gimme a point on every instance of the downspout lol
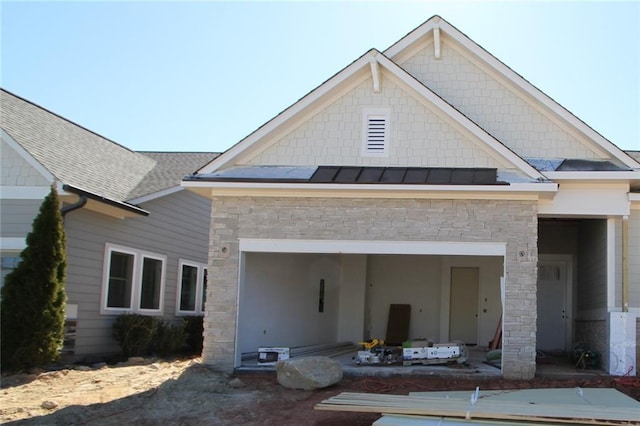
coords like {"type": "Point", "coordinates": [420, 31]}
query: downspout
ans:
{"type": "Point", "coordinates": [77, 205]}
{"type": "Point", "coordinates": [625, 264]}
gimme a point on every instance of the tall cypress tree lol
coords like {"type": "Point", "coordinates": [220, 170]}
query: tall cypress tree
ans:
{"type": "Point", "coordinates": [33, 295]}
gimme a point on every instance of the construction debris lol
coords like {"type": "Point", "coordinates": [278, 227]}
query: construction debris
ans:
{"type": "Point", "coordinates": [376, 352]}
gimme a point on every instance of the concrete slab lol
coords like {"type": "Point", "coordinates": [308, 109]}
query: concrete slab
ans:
{"type": "Point", "coordinates": [555, 367]}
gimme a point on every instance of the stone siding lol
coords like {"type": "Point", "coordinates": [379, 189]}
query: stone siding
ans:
{"type": "Point", "coordinates": [511, 222]}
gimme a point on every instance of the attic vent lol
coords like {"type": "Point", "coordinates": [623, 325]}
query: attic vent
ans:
{"type": "Point", "coordinates": [376, 132]}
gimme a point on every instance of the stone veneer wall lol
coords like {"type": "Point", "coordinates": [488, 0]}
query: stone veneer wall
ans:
{"type": "Point", "coordinates": [512, 222]}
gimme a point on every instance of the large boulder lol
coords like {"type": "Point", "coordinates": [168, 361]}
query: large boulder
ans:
{"type": "Point", "coordinates": [312, 372]}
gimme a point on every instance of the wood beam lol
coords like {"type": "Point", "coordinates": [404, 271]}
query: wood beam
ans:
{"type": "Point", "coordinates": [375, 74]}
{"type": "Point", "coordinates": [436, 42]}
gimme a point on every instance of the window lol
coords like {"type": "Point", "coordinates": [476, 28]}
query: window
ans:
{"type": "Point", "coordinates": [375, 132]}
{"type": "Point", "coordinates": [120, 280]}
{"type": "Point", "coordinates": [134, 281]}
{"type": "Point", "coordinates": [192, 288]}
{"type": "Point", "coordinates": [151, 284]}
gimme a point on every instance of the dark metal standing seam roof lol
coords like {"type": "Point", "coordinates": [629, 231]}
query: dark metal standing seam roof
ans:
{"type": "Point", "coordinates": [406, 175]}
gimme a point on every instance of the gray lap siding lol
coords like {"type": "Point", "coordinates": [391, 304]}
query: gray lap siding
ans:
{"type": "Point", "coordinates": [176, 228]}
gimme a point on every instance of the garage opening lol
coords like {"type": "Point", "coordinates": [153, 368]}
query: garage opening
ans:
{"type": "Point", "coordinates": [318, 300]}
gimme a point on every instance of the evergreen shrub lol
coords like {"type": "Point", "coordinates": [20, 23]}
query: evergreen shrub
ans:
{"type": "Point", "coordinates": [32, 310]}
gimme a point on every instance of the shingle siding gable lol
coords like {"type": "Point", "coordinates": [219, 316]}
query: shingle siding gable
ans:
{"type": "Point", "coordinates": [16, 171]}
{"type": "Point", "coordinates": [417, 136]}
{"type": "Point", "coordinates": [496, 108]}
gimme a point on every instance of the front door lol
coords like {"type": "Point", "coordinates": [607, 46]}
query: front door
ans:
{"type": "Point", "coordinates": [552, 306]}
{"type": "Point", "coordinates": [463, 321]}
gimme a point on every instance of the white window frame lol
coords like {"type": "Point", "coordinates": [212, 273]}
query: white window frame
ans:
{"type": "Point", "coordinates": [376, 113]}
{"type": "Point", "coordinates": [136, 285]}
{"type": "Point", "coordinates": [202, 268]}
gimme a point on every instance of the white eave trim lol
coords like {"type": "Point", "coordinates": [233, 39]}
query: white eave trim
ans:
{"type": "Point", "coordinates": [155, 195]}
{"type": "Point", "coordinates": [634, 197]}
{"type": "Point", "coordinates": [602, 175]}
{"type": "Point", "coordinates": [372, 247]}
{"type": "Point", "coordinates": [521, 191]}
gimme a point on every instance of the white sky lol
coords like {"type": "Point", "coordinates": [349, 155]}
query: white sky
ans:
{"type": "Point", "coordinates": [200, 76]}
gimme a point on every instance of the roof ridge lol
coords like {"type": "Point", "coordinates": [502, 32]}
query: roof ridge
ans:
{"type": "Point", "coordinates": [65, 119]}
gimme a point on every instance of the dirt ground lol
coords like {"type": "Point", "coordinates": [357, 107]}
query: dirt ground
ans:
{"type": "Point", "coordinates": [185, 392]}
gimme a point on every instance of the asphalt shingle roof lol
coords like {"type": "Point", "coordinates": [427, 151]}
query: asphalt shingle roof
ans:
{"type": "Point", "coordinates": [169, 170]}
{"type": "Point", "coordinates": [81, 158]}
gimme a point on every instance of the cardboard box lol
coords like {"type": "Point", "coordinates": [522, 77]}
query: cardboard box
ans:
{"type": "Point", "coordinates": [414, 353]}
{"type": "Point", "coordinates": [432, 353]}
{"type": "Point", "coordinates": [448, 351]}
{"type": "Point", "coordinates": [269, 356]}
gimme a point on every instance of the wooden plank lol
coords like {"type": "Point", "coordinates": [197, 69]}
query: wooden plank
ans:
{"type": "Point", "coordinates": [569, 396]}
{"type": "Point", "coordinates": [398, 324]}
{"type": "Point", "coordinates": [486, 409]}
{"type": "Point", "coordinates": [407, 420]}
{"type": "Point", "coordinates": [497, 338]}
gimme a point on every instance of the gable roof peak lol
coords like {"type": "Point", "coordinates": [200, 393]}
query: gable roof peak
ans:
{"type": "Point", "coordinates": [431, 29]}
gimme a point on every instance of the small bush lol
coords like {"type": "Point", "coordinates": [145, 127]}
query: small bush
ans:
{"type": "Point", "coordinates": [134, 333]}
{"type": "Point", "coordinates": [168, 338]}
{"type": "Point", "coordinates": [194, 327]}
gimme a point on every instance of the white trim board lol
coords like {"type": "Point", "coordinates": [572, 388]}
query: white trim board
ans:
{"type": "Point", "coordinates": [155, 195]}
{"type": "Point", "coordinates": [373, 247]}
{"type": "Point", "coordinates": [611, 264]}
{"type": "Point", "coordinates": [514, 191]}
{"type": "Point", "coordinates": [10, 243]}
{"type": "Point", "coordinates": [24, 192]}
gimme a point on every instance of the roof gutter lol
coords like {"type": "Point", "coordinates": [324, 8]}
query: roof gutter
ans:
{"type": "Point", "coordinates": [91, 196]}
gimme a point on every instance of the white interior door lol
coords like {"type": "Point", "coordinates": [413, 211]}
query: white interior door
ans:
{"type": "Point", "coordinates": [552, 305]}
{"type": "Point", "coordinates": [463, 321]}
